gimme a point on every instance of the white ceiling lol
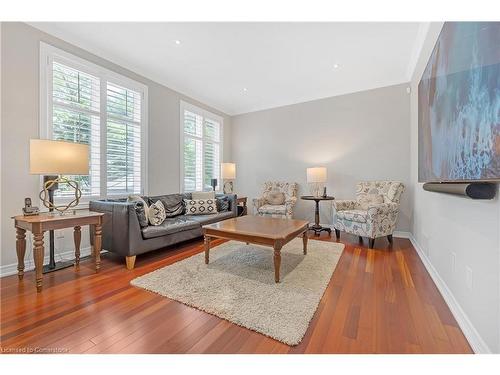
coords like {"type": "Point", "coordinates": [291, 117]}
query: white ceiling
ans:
{"type": "Point", "coordinates": [277, 63]}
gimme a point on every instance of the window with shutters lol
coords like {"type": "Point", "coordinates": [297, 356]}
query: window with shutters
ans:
{"type": "Point", "coordinates": [201, 148]}
{"type": "Point", "coordinates": [85, 103]}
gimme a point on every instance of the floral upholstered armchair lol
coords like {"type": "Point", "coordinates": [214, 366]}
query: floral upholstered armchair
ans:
{"type": "Point", "coordinates": [374, 212]}
{"type": "Point", "coordinates": [277, 200]}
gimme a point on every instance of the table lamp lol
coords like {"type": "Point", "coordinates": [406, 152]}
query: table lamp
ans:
{"type": "Point", "coordinates": [316, 178]}
{"type": "Point", "coordinates": [53, 159]}
{"type": "Point", "coordinates": [228, 174]}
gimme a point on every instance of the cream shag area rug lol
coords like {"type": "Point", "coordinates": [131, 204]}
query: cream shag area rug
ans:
{"type": "Point", "coordinates": [238, 285]}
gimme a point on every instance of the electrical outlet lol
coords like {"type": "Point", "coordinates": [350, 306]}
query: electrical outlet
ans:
{"type": "Point", "coordinates": [60, 235]}
{"type": "Point", "coordinates": [453, 262]}
{"type": "Point", "coordinates": [468, 277]}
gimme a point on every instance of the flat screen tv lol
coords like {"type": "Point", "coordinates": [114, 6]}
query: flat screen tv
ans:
{"type": "Point", "coordinates": [459, 105]}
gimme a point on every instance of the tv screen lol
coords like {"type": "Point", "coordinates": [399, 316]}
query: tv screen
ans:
{"type": "Point", "coordinates": [459, 105]}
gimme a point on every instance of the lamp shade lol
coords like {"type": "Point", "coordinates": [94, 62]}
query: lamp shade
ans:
{"type": "Point", "coordinates": [58, 157]}
{"type": "Point", "coordinates": [228, 171]}
{"type": "Point", "coordinates": [316, 174]}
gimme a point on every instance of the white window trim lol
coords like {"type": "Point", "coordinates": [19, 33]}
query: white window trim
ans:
{"type": "Point", "coordinates": [206, 114]}
{"type": "Point", "coordinates": [48, 54]}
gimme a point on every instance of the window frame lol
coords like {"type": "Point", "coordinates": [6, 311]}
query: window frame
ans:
{"type": "Point", "coordinates": [49, 54]}
{"type": "Point", "coordinates": [205, 115]}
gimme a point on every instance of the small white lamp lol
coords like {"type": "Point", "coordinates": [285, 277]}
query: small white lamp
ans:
{"type": "Point", "coordinates": [228, 174]}
{"type": "Point", "coordinates": [316, 178]}
{"type": "Point", "coordinates": [53, 159]}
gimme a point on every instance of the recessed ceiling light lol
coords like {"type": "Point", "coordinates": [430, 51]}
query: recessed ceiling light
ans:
{"type": "Point", "coordinates": [177, 42]}
{"type": "Point", "coordinates": [245, 89]}
{"type": "Point", "coordinates": [335, 66]}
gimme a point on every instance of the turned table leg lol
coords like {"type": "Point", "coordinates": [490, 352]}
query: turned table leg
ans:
{"type": "Point", "coordinates": [97, 246]}
{"type": "Point", "coordinates": [207, 249]}
{"type": "Point", "coordinates": [38, 251]}
{"type": "Point", "coordinates": [77, 237]}
{"type": "Point", "coordinates": [20, 250]}
{"type": "Point", "coordinates": [316, 215]}
{"type": "Point", "coordinates": [277, 261]}
{"type": "Point", "coordinates": [304, 242]}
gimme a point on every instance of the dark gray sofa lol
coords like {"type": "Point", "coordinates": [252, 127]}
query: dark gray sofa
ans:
{"type": "Point", "coordinates": [122, 234]}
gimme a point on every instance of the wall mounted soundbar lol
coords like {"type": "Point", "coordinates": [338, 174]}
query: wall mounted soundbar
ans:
{"type": "Point", "coordinates": [473, 190]}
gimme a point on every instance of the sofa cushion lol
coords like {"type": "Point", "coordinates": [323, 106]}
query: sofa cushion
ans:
{"type": "Point", "coordinates": [209, 219]}
{"type": "Point", "coordinates": [170, 226]}
{"type": "Point", "coordinates": [200, 206]}
{"type": "Point", "coordinates": [359, 216]}
{"type": "Point", "coordinates": [173, 203]}
{"type": "Point", "coordinates": [273, 209]}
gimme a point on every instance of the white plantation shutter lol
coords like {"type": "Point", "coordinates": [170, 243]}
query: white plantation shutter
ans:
{"type": "Point", "coordinates": [82, 102]}
{"type": "Point", "coordinates": [76, 118]}
{"type": "Point", "coordinates": [123, 141]}
{"type": "Point", "coordinates": [201, 148]}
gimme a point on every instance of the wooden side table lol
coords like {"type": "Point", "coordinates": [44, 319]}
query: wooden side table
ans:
{"type": "Point", "coordinates": [242, 201]}
{"type": "Point", "coordinates": [38, 224]}
{"type": "Point", "coordinates": [316, 227]}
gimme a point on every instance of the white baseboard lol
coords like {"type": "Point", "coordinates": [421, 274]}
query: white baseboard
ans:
{"type": "Point", "coordinates": [29, 264]}
{"type": "Point", "coordinates": [401, 234]}
{"type": "Point", "coordinates": [475, 340]}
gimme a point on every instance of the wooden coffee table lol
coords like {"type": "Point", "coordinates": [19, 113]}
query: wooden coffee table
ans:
{"type": "Point", "coordinates": [258, 230]}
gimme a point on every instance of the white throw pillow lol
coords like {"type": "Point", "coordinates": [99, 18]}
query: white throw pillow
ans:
{"type": "Point", "coordinates": [200, 206]}
{"type": "Point", "coordinates": [203, 195]}
{"type": "Point", "coordinates": [370, 200]}
{"type": "Point", "coordinates": [156, 213]}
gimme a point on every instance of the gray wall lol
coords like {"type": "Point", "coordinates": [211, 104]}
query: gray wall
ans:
{"type": "Point", "coordinates": [20, 122]}
{"type": "Point", "coordinates": [360, 136]}
{"type": "Point", "coordinates": [445, 224]}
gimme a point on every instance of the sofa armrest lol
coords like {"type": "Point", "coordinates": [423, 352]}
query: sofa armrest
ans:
{"type": "Point", "coordinates": [341, 205]}
{"type": "Point", "coordinates": [121, 231]}
{"type": "Point", "coordinates": [233, 205]}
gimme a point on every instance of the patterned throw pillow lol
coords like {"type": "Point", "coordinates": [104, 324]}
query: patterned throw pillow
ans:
{"type": "Point", "coordinates": [222, 204]}
{"type": "Point", "coordinates": [200, 206]}
{"type": "Point", "coordinates": [157, 213]}
{"type": "Point", "coordinates": [275, 198]}
{"type": "Point", "coordinates": [141, 209]}
{"type": "Point", "coordinates": [369, 200]}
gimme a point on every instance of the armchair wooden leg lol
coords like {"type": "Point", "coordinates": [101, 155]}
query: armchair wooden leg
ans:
{"type": "Point", "coordinates": [337, 233]}
{"type": "Point", "coordinates": [130, 262]}
{"type": "Point", "coordinates": [371, 242]}
{"type": "Point", "coordinates": [389, 238]}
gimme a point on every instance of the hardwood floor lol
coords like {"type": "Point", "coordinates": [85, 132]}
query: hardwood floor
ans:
{"type": "Point", "coordinates": [378, 301]}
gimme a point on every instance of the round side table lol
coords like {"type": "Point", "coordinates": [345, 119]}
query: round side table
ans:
{"type": "Point", "coordinates": [316, 227]}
